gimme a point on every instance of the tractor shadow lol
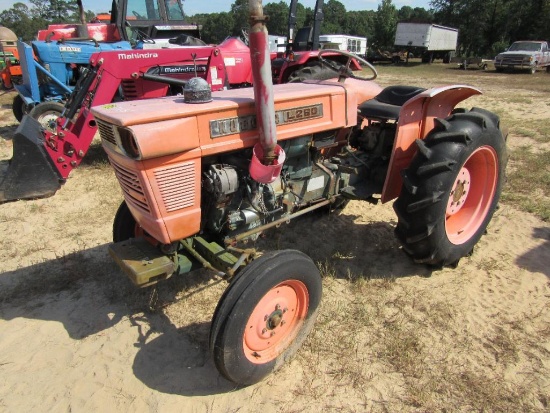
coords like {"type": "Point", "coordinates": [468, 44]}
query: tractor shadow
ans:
{"type": "Point", "coordinates": [345, 246]}
{"type": "Point", "coordinates": [537, 259]}
{"type": "Point", "coordinates": [7, 132]}
{"type": "Point", "coordinates": [86, 292]}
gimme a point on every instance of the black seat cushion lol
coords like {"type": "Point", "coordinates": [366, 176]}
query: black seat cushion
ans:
{"type": "Point", "coordinates": [387, 104]}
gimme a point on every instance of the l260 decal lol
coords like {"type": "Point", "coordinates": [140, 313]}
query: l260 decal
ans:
{"type": "Point", "coordinates": [230, 126]}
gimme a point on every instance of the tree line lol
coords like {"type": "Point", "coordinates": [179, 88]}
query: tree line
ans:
{"type": "Point", "coordinates": [486, 27]}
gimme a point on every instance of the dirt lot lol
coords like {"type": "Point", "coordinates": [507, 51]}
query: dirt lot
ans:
{"type": "Point", "coordinates": [392, 336]}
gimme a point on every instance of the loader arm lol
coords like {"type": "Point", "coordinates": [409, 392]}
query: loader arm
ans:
{"type": "Point", "coordinates": [42, 160]}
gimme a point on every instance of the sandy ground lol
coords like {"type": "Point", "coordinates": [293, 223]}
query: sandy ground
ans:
{"type": "Point", "coordinates": [76, 336]}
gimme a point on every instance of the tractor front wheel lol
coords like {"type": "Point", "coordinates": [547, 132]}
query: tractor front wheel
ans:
{"type": "Point", "coordinates": [264, 315]}
{"type": "Point", "coordinates": [46, 114]}
{"type": "Point", "coordinates": [451, 188]}
{"type": "Point", "coordinates": [126, 227]}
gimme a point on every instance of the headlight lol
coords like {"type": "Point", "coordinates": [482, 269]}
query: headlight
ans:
{"type": "Point", "coordinates": [127, 142]}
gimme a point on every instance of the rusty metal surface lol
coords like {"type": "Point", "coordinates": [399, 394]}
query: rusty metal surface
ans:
{"type": "Point", "coordinates": [263, 83]}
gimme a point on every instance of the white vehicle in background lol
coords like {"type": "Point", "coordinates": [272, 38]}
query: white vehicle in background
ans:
{"type": "Point", "coordinates": [352, 44]}
{"type": "Point", "coordinates": [435, 41]}
{"type": "Point", "coordinates": [527, 55]}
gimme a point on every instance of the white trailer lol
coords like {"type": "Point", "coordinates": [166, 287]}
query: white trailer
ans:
{"type": "Point", "coordinates": [436, 42]}
{"type": "Point", "coordinates": [353, 44]}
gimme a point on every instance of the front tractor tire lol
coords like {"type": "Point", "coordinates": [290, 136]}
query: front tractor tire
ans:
{"type": "Point", "coordinates": [264, 315]}
{"type": "Point", "coordinates": [47, 113]}
{"type": "Point", "coordinates": [124, 224]}
{"type": "Point", "coordinates": [451, 188]}
{"type": "Point", "coordinates": [126, 227]}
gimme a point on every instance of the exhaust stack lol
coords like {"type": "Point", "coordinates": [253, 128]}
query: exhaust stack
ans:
{"type": "Point", "coordinates": [268, 157]}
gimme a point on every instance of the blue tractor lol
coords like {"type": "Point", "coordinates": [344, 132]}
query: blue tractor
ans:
{"type": "Point", "coordinates": [52, 65]}
{"type": "Point", "coordinates": [49, 79]}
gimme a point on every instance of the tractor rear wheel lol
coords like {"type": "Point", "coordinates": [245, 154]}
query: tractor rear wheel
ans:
{"type": "Point", "coordinates": [451, 188]}
{"type": "Point", "coordinates": [264, 315]}
{"type": "Point", "coordinates": [19, 108]}
{"type": "Point", "coordinates": [46, 114]}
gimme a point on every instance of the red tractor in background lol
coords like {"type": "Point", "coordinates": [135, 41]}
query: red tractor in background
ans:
{"type": "Point", "coordinates": [202, 174]}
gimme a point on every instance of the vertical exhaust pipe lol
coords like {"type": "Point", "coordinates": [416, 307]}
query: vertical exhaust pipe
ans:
{"type": "Point", "coordinates": [268, 157]}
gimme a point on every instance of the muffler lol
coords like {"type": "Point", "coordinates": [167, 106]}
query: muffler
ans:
{"type": "Point", "coordinates": [30, 173]}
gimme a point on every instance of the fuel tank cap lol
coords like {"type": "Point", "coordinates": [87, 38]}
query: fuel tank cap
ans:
{"type": "Point", "coordinates": [197, 90]}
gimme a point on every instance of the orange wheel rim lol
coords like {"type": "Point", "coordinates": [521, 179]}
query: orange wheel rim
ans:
{"type": "Point", "coordinates": [472, 195]}
{"type": "Point", "coordinates": [275, 321]}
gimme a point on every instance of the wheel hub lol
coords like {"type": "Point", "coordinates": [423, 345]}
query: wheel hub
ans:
{"type": "Point", "coordinates": [459, 193]}
{"type": "Point", "coordinates": [274, 319]}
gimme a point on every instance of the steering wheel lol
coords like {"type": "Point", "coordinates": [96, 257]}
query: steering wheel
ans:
{"type": "Point", "coordinates": [344, 71]}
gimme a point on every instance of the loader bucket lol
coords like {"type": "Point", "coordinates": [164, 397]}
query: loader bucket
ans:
{"type": "Point", "coordinates": [30, 173]}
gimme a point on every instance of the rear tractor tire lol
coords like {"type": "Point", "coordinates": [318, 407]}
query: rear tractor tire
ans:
{"type": "Point", "coordinates": [19, 108]}
{"type": "Point", "coordinates": [264, 315]}
{"type": "Point", "coordinates": [451, 188]}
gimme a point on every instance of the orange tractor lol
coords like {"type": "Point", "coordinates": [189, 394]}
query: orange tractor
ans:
{"type": "Point", "coordinates": [203, 172]}
{"type": "Point", "coordinates": [10, 70]}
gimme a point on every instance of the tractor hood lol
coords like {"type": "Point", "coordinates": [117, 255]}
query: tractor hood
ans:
{"type": "Point", "coordinates": [165, 126]}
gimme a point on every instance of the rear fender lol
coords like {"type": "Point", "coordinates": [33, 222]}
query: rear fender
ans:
{"type": "Point", "coordinates": [416, 120]}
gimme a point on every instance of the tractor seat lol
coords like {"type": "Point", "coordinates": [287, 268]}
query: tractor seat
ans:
{"type": "Point", "coordinates": [387, 104]}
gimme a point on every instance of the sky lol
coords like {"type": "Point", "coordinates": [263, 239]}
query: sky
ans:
{"type": "Point", "coordinates": [215, 6]}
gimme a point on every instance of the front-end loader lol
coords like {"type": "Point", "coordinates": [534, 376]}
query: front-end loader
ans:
{"type": "Point", "coordinates": [204, 173]}
{"type": "Point", "coordinates": [45, 155]}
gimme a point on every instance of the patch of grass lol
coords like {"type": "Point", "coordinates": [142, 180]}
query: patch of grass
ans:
{"type": "Point", "coordinates": [529, 182]}
{"type": "Point", "coordinates": [520, 100]}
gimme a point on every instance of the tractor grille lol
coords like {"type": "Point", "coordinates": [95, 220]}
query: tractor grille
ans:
{"type": "Point", "coordinates": [129, 89]}
{"type": "Point", "coordinates": [107, 132]}
{"type": "Point", "coordinates": [131, 185]}
{"type": "Point", "coordinates": [177, 186]}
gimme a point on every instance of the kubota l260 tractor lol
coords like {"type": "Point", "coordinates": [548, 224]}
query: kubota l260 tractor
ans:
{"type": "Point", "coordinates": [202, 172]}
